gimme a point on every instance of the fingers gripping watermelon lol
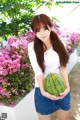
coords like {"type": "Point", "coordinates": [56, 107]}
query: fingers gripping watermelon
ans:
{"type": "Point", "coordinates": [54, 84]}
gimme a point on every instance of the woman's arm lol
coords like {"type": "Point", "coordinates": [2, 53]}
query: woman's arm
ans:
{"type": "Point", "coordinates": [64, 75]}
{"type": "Point", "coordinates": [40, 80]}
{"type": "Point", "coordinates": [32, 57]}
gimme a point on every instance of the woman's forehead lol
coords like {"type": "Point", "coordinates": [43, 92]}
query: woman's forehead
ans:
{"type": "Point", "coordinates": [41, 25]}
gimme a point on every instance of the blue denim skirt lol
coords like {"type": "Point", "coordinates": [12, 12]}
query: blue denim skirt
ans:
{"type": "Point", "coordinates": [47, 106]}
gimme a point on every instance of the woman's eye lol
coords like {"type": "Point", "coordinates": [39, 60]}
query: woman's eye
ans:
{"type": "Point", "coordinates": [38, 30]}
{"type": "Point", "coordinates": [46, 28]}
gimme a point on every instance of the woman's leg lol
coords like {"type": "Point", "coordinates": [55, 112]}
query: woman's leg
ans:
{"type": "Point", "coordinates": [44, 117]}
{"type": "Point", "coordinates": [62, 115]}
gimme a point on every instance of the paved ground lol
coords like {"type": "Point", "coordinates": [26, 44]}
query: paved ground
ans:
{"type": "Point", "coordinates": [74, 79]}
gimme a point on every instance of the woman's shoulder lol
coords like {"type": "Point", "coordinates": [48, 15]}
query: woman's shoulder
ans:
{"type": "Point", "coordinates": [31, 44]}
{"type": "Point", "coordinates": [31, 48]}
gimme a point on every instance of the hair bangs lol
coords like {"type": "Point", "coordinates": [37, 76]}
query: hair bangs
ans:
{"type": "Point", "coordinates": [38, 25]}
{"type": "Point", "coordinates": [38, 22]}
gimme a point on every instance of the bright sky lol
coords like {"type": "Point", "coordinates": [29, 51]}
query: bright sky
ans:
{"type": "Point", "coordinates": [67, 19]}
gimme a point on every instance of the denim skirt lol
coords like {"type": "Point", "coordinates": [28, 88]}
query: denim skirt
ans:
{"type": "Point", "coordinates": [47, 106]}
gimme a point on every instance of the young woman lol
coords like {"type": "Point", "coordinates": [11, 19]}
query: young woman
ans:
{"type": "Point", "coordinates": [48, 54]}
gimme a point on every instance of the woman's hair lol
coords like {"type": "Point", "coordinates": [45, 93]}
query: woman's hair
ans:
{"type": "Point", "coordinates": [56, 42]}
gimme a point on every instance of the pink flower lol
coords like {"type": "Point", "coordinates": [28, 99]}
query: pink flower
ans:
{"type": "Point", "coordinates": [11, 40]}
{"type": "Point", "coordinates": [3, 104]}
{"type": "Point", "coordinates": [16, 43]}
{"type": "Point", "coordinates": [13, 104]}
{"type": "Point", "coordinates": [29, 35]}
{"type": "Point", "coordinates": [4, 72]}
{"type": "Point", "coordinates": [2, 90]}
{"type": "Point", "coordinates": [3, 82]}
{"type": "Point", "coordinates": [13, 90]}
{"type": "Point", "coordinates": [7, 94]}
{"type": "Point", "coordinates": [24, 91]}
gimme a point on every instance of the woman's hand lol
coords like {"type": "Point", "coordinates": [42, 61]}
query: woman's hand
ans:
{"type": "Point", "coordinates": [50, 96]}
{"type": "Point", "coordinates": [53, 97]}
{"type": "Point", "coordinates": [65, 92]}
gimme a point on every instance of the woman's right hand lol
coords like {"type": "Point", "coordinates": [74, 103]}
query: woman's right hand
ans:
{"type": "Point", "coordinates": [50, 96]}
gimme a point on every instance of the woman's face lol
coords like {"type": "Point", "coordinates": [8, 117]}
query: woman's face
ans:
{"type": "Point", "coordinates": [43, 33]}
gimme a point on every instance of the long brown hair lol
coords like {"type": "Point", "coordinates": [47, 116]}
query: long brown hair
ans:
{"type": "Point", "coordinates": [56, 42]}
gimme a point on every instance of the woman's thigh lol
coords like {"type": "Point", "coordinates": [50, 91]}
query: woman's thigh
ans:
{"type": "Point", "coordinates": [44, 117]}
{"type": "Point", "coordinates": [62, 115]}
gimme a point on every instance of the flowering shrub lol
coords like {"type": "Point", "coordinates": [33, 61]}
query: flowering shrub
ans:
{"type": "Point", "coordinates": [71, 40]}
{"type": "Point", "coordinates": [16, 75]}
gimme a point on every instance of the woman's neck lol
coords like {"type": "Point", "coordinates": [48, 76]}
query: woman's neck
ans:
{"type": "Point", "coordinates": [48, 44]}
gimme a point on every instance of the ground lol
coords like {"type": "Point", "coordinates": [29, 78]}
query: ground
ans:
{"type": "Point", "coordinates": [74, 80]}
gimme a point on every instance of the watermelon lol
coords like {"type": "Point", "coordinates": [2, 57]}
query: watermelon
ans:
{"type": "Point", "coordinates": [54, 84]}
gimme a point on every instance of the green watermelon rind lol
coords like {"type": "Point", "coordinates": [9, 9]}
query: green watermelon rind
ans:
{"type": "Point", "coordinates": [51, 86]}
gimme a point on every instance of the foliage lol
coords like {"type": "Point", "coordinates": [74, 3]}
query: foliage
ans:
{"type": "Point", "coordinates": [16, 15]}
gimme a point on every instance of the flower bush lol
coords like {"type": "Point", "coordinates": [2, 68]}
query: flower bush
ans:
{"type": "Point", "coordinates": [70, 39]}
{"type": "Point", "coordinates": [16, 74]}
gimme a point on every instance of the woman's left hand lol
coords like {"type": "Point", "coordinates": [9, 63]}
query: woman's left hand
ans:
{"type": "Point", "coordinates": [63, 94]}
